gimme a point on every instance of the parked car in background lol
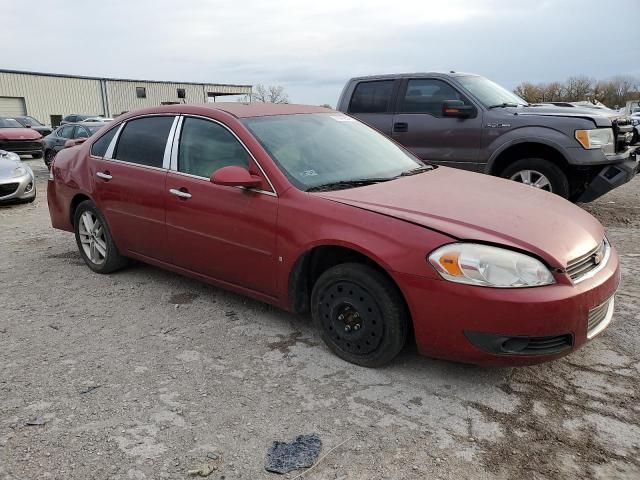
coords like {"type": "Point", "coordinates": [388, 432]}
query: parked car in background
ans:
{"type": "Point", "coordinates": [74, 118]}
{"type": "Point", "coordinates": [67, 135]}
{"type": "Point", "coordinates": [635, 122]}
{"type": "Point", "coordinates": [17, 182]}
{"type": "Point", "coordinates": [16, 138]}
{"type": "Point", "coordinates": [309, 209]}
{"type": "Point", "coordinates": [467, 121]}
{"type": "Point", "coordinates": [98, 119]}
{"type": "Point", "coordinates": [30, 122]}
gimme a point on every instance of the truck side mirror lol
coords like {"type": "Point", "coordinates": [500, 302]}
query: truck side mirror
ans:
{"type": "Point", "coordinates": [457, 109]}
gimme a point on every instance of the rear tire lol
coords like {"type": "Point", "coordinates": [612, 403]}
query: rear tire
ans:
{"type": "Point", "coordinates": [539, 173]}
{"type": "Point", "coordinates": [360, 314]}
{"type": "Point", "coordinates": [94, 239]}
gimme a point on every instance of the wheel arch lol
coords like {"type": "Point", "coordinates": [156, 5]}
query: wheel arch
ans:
{"type": "Point", "coordinates": [526, 149]}
{"type": "Point", "coordinates": [314, 261]}
{"type": "Point", "coordinates": [77, 199]}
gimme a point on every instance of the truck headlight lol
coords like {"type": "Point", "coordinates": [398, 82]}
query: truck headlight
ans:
{"type": "Point", "coordinates": [596, 138]}
{"type": "Point", "coordinates": [488, 266]}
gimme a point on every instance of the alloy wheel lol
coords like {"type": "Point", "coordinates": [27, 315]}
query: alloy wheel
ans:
{"type": "Point", "coordinates": [533, 178]}
{"type": "Point", "coordinates": [92, 238]}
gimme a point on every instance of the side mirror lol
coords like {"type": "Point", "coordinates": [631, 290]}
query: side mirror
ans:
{"type": "Point", "coordinates": [233, 176]}
{"type": "Point", "coordinates": [457, 109]}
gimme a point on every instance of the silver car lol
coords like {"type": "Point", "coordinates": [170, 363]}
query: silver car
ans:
{"type": "Point", "coordinates": [17, 182]}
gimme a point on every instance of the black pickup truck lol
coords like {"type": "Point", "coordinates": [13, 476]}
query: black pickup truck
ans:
{"type": "Point", "coordinates": [467, 121]}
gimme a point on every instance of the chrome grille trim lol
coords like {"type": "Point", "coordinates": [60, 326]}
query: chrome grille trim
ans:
{"type": "Point", "coordinates": [600, 317]}
{"type": "Point", "coordinates": [585, 266]}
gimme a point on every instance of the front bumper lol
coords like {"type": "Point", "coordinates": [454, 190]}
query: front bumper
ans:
{"type": "Point", "coordinates": [22, 147]}
{"type": "Point", "coordinates": [449, 318]}
{"type": "Point", "coordinates": [612, 176]}
{"type": "Point", "coordinates": [18, 189]}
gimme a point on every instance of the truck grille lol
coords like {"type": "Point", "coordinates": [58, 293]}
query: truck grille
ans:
{"type": "Point", "coordinates": [621, 127]}
{"type": "Point", "coordinates": [20, 145]}
{"type": "Point", "coordinates": [600, 317]}
{"type": "Point", "coordinates": [579, 268]}
{"type": "Point", "coordinates": [8, 189]}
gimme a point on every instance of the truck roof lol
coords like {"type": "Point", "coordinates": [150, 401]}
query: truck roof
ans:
{"type": "Point", "coordinates": [414, 75]}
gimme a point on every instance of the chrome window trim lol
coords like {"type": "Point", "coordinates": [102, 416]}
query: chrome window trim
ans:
{"type": "Point", "coordinates": [174, 155]}
{"type": "Point", "coordinates": [205, 179]}
{"type": "Point", "coordinates": [166, 159]}
{"type": "Point", "coordinates": [109, 153]}
{"type": "Point", "coordinates": [174, 147]}
{"type": "Point", "coordinates": [603, 263]}
{"type": "Point", "coordinates": [115, 160]}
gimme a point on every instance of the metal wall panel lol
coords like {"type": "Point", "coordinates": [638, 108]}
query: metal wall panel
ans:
{"type": "Point", "coordinates": [50, 95]}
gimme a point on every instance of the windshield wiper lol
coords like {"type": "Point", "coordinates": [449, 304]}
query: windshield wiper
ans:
{"type": "Point", "coordinates": [415, 171]}
{"type": "Point", "coordinates": [344, 184]}
{"type": "Point", "coordinates": [503, 105]}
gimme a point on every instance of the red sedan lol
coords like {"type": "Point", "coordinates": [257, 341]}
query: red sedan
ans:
{"type": "Point", "coordinates": [310, 210]}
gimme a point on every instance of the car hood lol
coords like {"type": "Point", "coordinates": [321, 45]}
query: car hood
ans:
{"type": "Point", "coordinates": [19, 134]}
{"type": "Point", "coordinates": [7, 166]}
{"type": "Point", "coordinates": [477, 207]}
{"type": "Point", "coordinates": [600, 119]}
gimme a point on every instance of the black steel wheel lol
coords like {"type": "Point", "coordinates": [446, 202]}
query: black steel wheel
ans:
{"type": "Point", "coordinates": [360, 313]}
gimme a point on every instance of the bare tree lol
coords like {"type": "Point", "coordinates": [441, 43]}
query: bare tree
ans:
{"type": "Point", "coordinates": [269, 94]}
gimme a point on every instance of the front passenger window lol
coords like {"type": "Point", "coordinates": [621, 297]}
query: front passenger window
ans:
{"type": "Point", "coordinates": [207, 146]}
{"type": "Point", "coordinates": [428, 96]}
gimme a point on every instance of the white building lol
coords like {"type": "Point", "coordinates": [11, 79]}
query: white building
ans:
{"type": "Point", "coordinates": [50, 97]}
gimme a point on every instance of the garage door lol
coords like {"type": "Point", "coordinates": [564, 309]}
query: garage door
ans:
{"type": "Point", "coordinates": [12, 106]}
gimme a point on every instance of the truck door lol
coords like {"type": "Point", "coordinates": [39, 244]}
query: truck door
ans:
{"type": "Point", "coordinates": [420, 126]}
{"type": "Point", "coordinates": [372, 102]}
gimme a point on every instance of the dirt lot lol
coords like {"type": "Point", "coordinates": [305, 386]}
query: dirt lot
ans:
{"type": "Point", "coordinates": [145, 374]}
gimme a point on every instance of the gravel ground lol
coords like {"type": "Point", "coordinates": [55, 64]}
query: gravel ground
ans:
{"type": "Point", "coordinates": [145, 374]}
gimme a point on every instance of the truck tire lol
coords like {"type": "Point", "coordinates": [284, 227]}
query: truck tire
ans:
{"type": "Point", "coordinates": [539, 173]}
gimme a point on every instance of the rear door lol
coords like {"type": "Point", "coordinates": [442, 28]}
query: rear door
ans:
{"type": "Point", "coordinates": [225, 233]}
{"type": "Point", "coordinates": [420, 125]}
{"type": "Point", "coordinates": [372, 102]}
{"type": "Point", "coordinates": [130, 185]}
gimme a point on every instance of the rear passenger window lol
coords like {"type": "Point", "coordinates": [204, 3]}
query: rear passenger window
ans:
{"type": "Point", "coordinates": [371, 97]}
{"type": "Point", "coordinates": [100, 146]}
{"type": "Point", "coordinates": [428, 95]}
{"type": "Point", "coordinates": [143, 141]}
{"type": "Point", "coordinates": [206, 147]}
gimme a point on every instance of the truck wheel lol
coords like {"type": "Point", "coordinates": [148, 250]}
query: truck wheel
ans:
{"type": "Point", "coordinates": [360, 313]}
{"type": "Point", "coordinates": [538, 173]}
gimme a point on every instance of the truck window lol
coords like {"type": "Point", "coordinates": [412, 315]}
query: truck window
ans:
{"type": "Point", "coordinates": [427, 96]}
{"type": "Point", "coordinates": [371, 97]}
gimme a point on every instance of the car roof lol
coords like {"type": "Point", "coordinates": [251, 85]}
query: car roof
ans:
{"type": "Point", "coordinates": [237, 109]}
{"type": "Point", "coordinates": [392, 76]}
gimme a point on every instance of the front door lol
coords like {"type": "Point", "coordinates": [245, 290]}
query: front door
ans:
{"type": "Point", "coordinates": [130, 187]}
{"type": "Point", "coordinates": [420, 125]}
{"type": "Point", "coordinates": [225, 233]}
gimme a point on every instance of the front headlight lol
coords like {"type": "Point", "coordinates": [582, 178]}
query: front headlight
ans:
{"type": "Point", "coordinates": [19, 172]}
{"type": "Point", "coordinates": [487, 266]}
{"type": "Point", "coordinates": [597, 138]}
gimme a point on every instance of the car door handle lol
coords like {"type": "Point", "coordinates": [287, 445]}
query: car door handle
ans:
{"type": "Point", "coordinates": [401, 127]}
{"type": "Point", "coordinates": [179, 193]}
{"type": "Point", "coordinates": [104, 175]}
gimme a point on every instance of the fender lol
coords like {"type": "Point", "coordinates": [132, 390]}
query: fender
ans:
{"type": "Point", "coordinates": [545, 136]}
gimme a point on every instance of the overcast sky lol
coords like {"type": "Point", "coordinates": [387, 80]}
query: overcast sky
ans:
{"type": "Point", "coordinates": [312, 48]}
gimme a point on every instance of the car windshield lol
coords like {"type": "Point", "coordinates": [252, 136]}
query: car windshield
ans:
{"type": "Point", "coordinates": [328, 148]}
{"type": "Point", "coordinates": [490, 94]}
{"type": "Point", "coordinates": [9, 123]}
{"type": "Point", "coordinates": [32, 122]}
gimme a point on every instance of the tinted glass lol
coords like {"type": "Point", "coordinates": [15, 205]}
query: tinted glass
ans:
{"type": "Point", "coordinates": [143, 141]}
{"type": "Point", "coordinates": [81, 132]}
{"type": "Point", "coordinates": [206, 147]}
{"type": "Point", "coordinates": [66, 132]}
{"type": "Point", "coordinates": [427, 96]}
{"type": "Point", "coordinates": [9, 123]}
{"type": "Point", "coordinates": [371, 97]}
{"type": "Point", "coordinates": [100, 146]}
{"type": "Point", "coordinates": [315, 149]}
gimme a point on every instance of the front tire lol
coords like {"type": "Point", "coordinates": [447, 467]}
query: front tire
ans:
{"type": "Point", "coordinates": [49, 155]}
{"type": "Point", "coordinates": [539, 173]}
{"type": "Point", "coordinates": [360, 314]}
{"type": "Point", "coordinates": [36, 155]}
{"type": "Point", "coordinates": [94, 239]}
